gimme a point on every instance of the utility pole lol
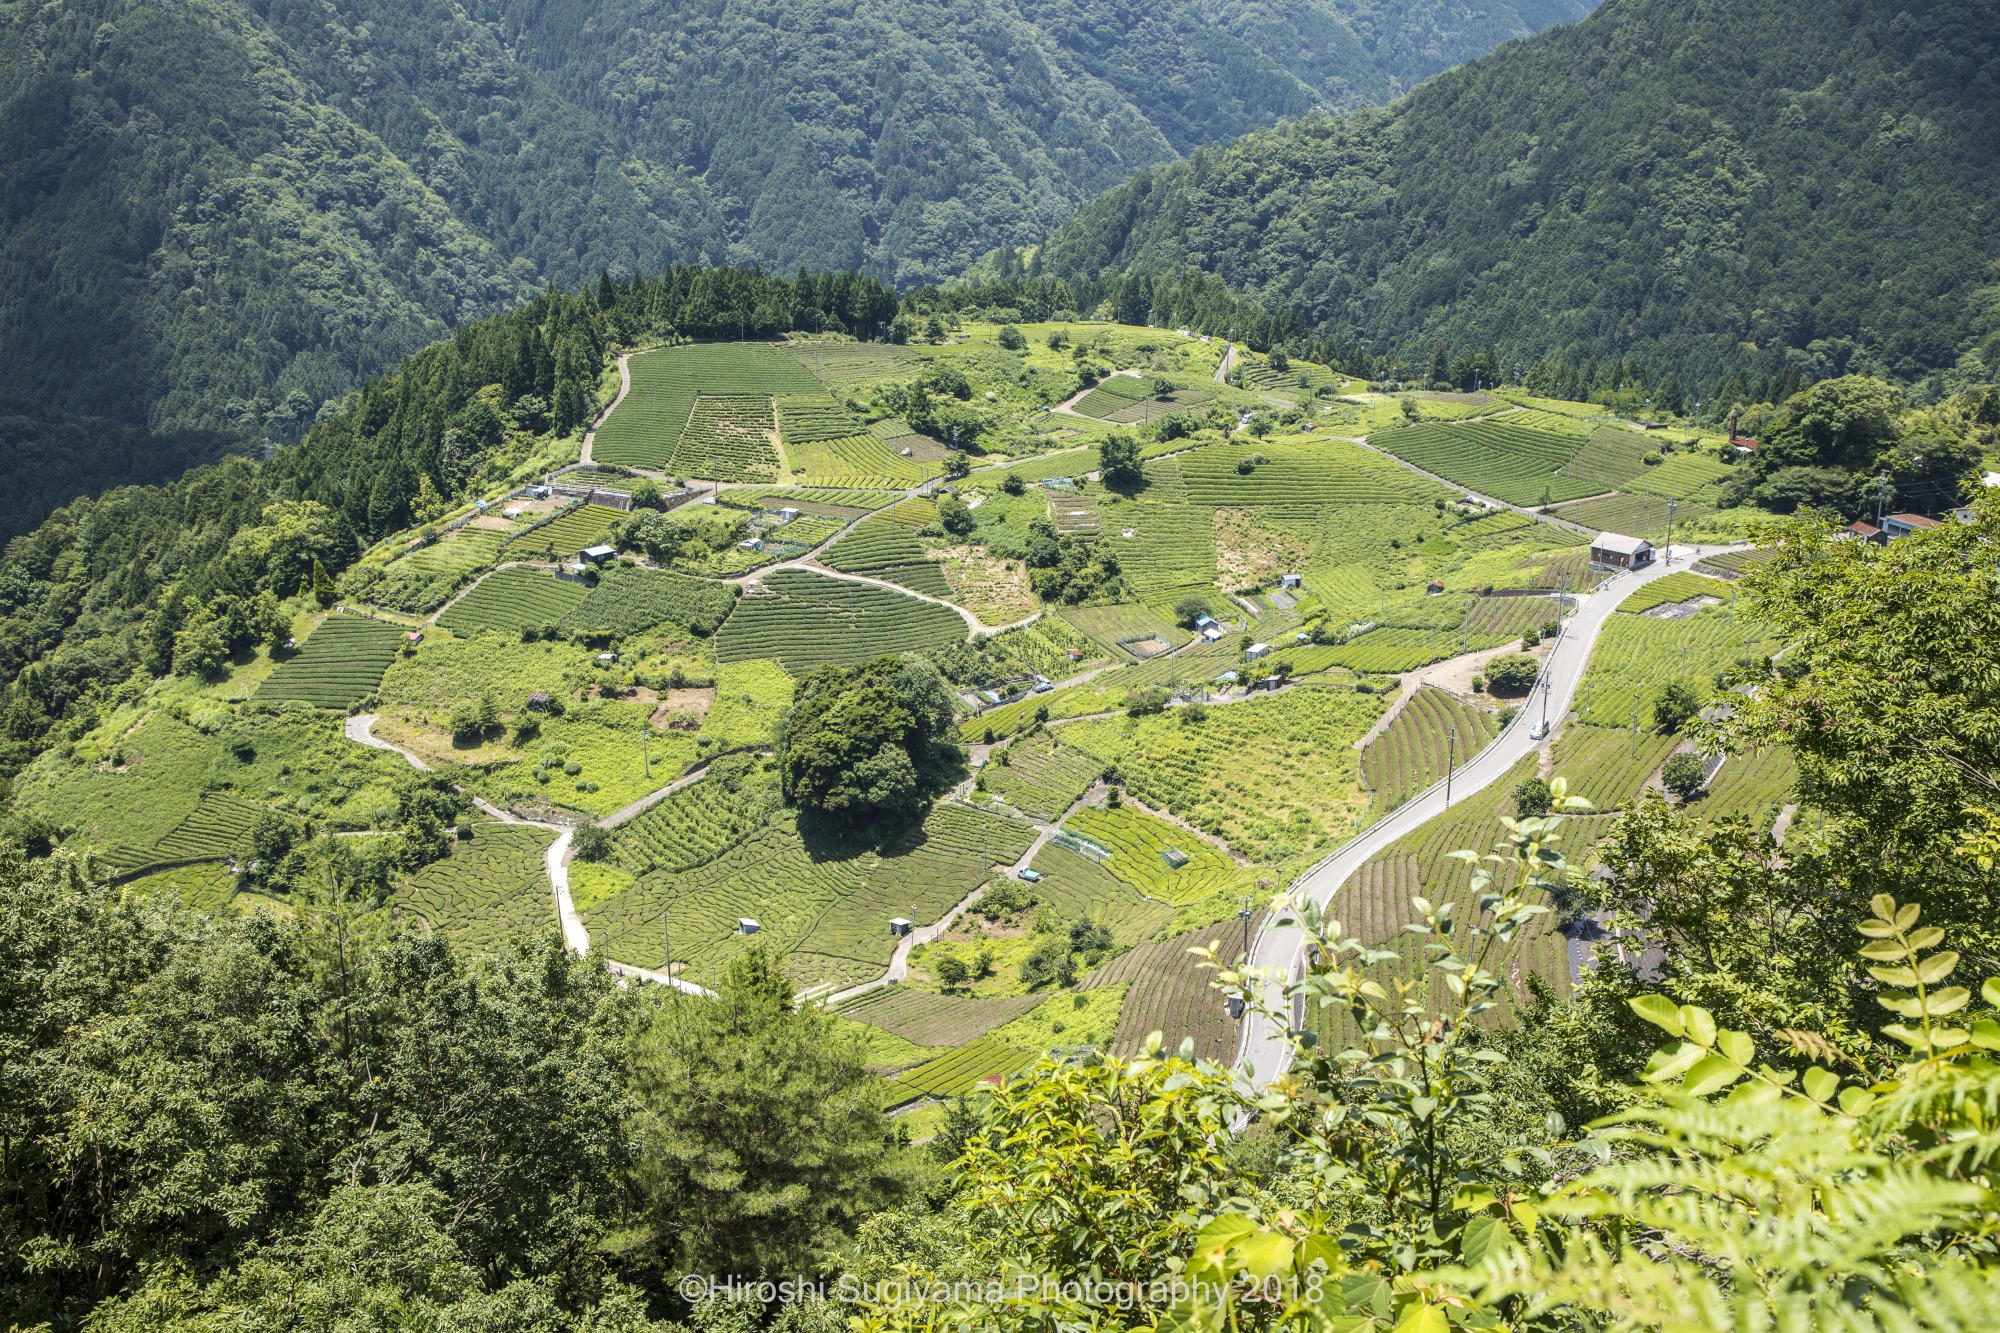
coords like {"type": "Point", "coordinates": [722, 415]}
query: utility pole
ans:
{"type": "Point", "coordinates": [1243, 915]}
{"type": "Point", "coordinates": [1671, 505]}
{"type": "Point", "coordinates": [1881, 497]}
{"type": "Point", "coordinates": [667, 943]}
{"type": "Point", "coordinates": [1450, 761]}
{"type": "Point", "coordinates": [1545, 704]}
{"type": "Point", "coordinates": [645, 750]}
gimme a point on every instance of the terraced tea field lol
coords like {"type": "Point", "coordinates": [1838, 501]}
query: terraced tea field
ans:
{"type": "Point", "coordinates": [961, 1071]}
{"type": "Point", "coordinates": [825, 906]}
{"type": "Point", "coordinates": [856, 460]}
{"type": "Point", "coordinates": [829, 502]}
{"type": "Point", "coordinates": [647, 429]}
{"type": "Point", "coordinates": [699, 822]}
{"type": "Point", "coordinates": [511, 598]}
{"type": "Point", "coordinates": [930, 1019]}
{"type": "Point", "coordinates": [1412, 753]}
{"type": "Point", "coordinates": [1041, 777]}
{"type": "Point", "coordinates": [1609, 458]}
{"type": "Point", "coordinates": [626, 601]}
{"type": "Point", "coordinates": [1325, 472]}
{"type": "Point", "coordinates": [340, 663]}
{"type": "Point", "coordinates": [1635, 515]}
{"type": "Point", "coordinates": [1677, 587]}
{"type": "Point", "coordinates": [1392, 650]}
{"type": "Point", "coordinates": [806, 620]}
{"type": "Point", "coordinates": [1141, 845]}
{"type": "Point", "coordinates": [1111, 626]}
{"type": "Point", "coordinates": [1757, 784]}
{"type": "Point", "coordinates": [217, 829]}
{"type": "Point", "coordinates": [1608, 766]}
{"type": "Point", "coordinates": [1511, 616]}
{"type": "Point", "coordinates": [887, 551]}
{"type": "Point", "coordinates": [1636, 655]}
{"type": "Point", "coordinates": [490, 890]}
{"type": "Point", "coordinates": [1076, 887]}
{"type": "Point", "coordinates": [1171, 546]}
{"type": "Point", "coordinates": [727, 439]}
{"type": "Point", "coordinates": [1172, 994]}
{"type": "Point", "coordinates": [1510, 463]}
{"type": "Point", "coordinates": [586, 525]}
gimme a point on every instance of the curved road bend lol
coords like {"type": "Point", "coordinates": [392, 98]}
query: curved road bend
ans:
{"type": "Point", "coordinates": [1277, 950]}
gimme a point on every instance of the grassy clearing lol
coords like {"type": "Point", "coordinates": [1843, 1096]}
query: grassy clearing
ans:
{"type": "Point", "coordinates": [1040, 776]}
{"type": "Point", "coordinates": [134, 780]}
{"type": "Point", "coordinates": [511, 599]}
{"type": "Point", "coordinates": [750, 700]}
{"type": "Point", "coordinates": [1413, 752]}
{"type": "Point", "coordinates": [822, 901]}
{"type": "Point", "coordinates": [1077, 1018]}
{"type": "Point", "coordinates": [341, 662]}
{"type": "Point", "coordinates": [1275, 778]}
{"type": "Point", "coordinates": [805, 620]}
{"type": "Point", "coordinates": [491, 890]}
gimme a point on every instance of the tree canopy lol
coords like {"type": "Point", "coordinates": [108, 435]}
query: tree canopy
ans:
{"type": "Point", "coordinates": [869, 743]}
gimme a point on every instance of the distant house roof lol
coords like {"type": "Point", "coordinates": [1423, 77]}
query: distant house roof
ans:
{"type": "Point", "coordinates": [1201, 621]}
{"type": "Point", "coordinates": [1745, 444]}
{"type": "Point", "coordinates": [1227, 677]}
{"type": "Point", "coordinates": [598, 552]}
{"type": "Point", "coordinates": [1912, 521]}
{"type": "Point", "coordinates": [1989, 478]}
{"type": "Point", "coordinates": [1865, 531]}
{"type": "Point", "coordinates": [1619, 542]}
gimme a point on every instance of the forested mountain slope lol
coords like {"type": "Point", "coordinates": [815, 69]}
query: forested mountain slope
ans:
{"type": "Point", "coordinates": [226, 213]}
{"type": "Point", "coordinates": [1800, 182]}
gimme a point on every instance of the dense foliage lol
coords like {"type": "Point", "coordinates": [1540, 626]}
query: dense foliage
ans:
{"type": "Point", "coordinates": [1694, 184]}
{"type": "Point", "coordinates": [51, 458]}
{"type": "Point", "coordinates": [870, 743]}
{"type": "Point", "coordinates": [226, 214]}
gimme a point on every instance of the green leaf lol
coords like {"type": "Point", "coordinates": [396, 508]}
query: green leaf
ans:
{"type": "Point", "coordinates": [1903, 1032]}
{"type": "Point", "coordinates": [1737, 1046]}
{"type": "Point", "coordinates": [1710, 1074]}
{"type": "Point", "coordinates": [1662, 1012]}
{"type": "Point", "coordinates": [1937, 967]}
{"type": "Point", "coordinates": [1897, 1002]}
{"type": "Point", "coordinates": [1423, 1317]}
{"type": "Point", "coordinates": [1927, 938]}
{"type": "Point", "coordinates": [1990, 991]}
{"type": "Point", "coordinates": [1855, 1099]}
{"type": "Point", "coordinates": [1821, 1084]}
{"type": "Point", "coordinates": [1484, 1235]}
{"type": "Point", "coordinates": [1672, 1064]}
{"type": "Point", "coordinates": [1700, 1025]}
{"type": "Point", "coordinates": [1473, 1198]}
{"type": "Point", "coordinates": [1885, 951]}
{"type": "Point", "coordinates": [1894, 976]}
{"type": "Point", "coordinates": [1986, 1033]}
{"type": "Point", "coordinates": [1264, 1254]}
{"type": "Point", "coordinates": [1947, 1001]}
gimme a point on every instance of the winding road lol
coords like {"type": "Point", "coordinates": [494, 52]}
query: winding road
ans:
{"type": "Point", "coordinates": [1277, 952]}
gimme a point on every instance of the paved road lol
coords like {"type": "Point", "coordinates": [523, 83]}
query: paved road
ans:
{"type": "Point", "coordinates": [624, 387]}
{"type": "Point", "coordinates": [1277, 951]}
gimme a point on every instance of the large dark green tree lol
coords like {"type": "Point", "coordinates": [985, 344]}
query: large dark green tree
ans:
{"type": "Point", "coordinates": [871, 743]}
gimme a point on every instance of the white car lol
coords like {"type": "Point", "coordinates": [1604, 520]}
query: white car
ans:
{"type": "Point", "coordinates": [1539, 731]}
